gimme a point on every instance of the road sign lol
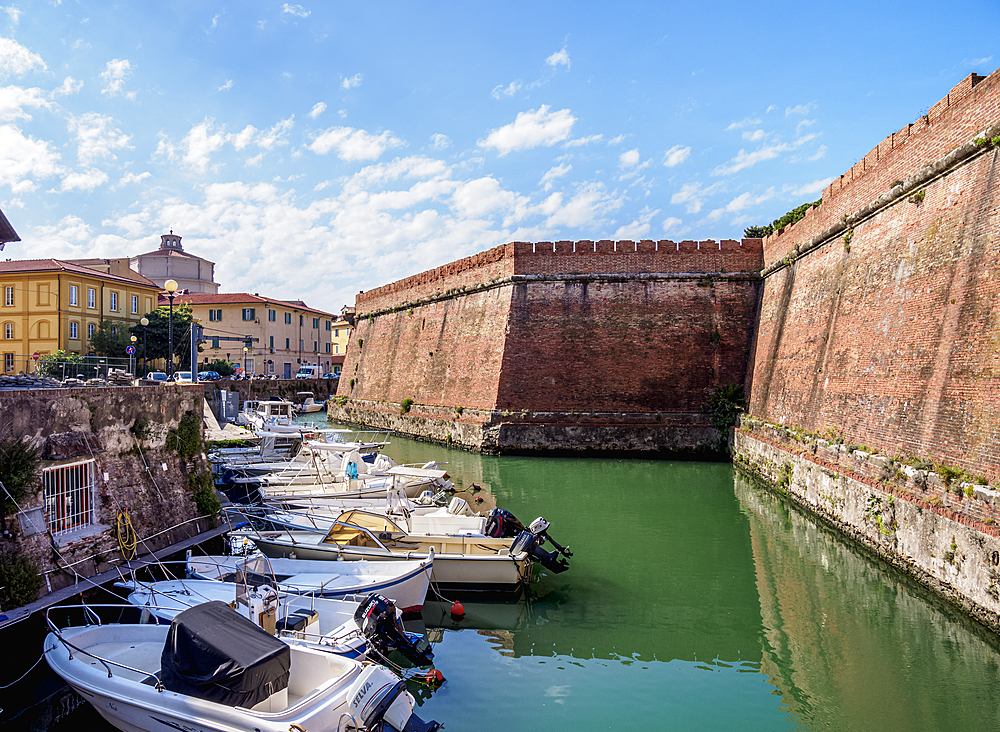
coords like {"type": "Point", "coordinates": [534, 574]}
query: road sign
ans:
{"type": "Point", "coordinates": [130, 350]}
{"type": "Point", "coordinates": [35, 355]}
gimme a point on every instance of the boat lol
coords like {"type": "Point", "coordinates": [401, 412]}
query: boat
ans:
{"type": "Point", "coordinates": [356, 483]}
{"type": "Point", "coordinates": [213, 670]}
{"type": "Point", "coordinates": [405, 583]}
{"type": "Point", "coordinates": [327, 624]}
{"type": "Point", "coordinates": [468, 559]}
{"type": "Point", "coordinates": [305, 403]}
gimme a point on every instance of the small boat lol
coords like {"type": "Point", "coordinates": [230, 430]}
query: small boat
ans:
{"type": "Point", "coordinates": [405, 583]}
{"type": "Point", "coordinates": [468, 559]}
{"type": "Point", "coordinates": [305, 403]}
{"type": "Point", "coordinates": [329, 625]}
{"type": "Point", "coordinates": [213, 670]}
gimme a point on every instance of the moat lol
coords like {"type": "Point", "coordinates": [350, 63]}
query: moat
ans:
{"type": "Point", "coordinates": [694, 601]}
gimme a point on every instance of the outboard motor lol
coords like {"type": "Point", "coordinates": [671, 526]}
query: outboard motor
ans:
{"type": "Point", "coordinates": [379, 700]}
{"type": "Point", "coordinates": [377, 618]}
{"type": "Point", "coordinates": [502, 524]}
{"type": "Point", "coordinates": [529, 543]}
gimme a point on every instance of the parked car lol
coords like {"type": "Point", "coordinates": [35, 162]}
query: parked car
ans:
{"type": "Point", "coordinates": [157, 376]}
{"type": "Point", "coordinates": [183, 377]}
{"type": "Point", "coordinates": [209, 376]}
{"type": "Point", "coordinates": [331, 375]}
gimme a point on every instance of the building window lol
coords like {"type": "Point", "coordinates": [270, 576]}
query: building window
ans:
{"type": "Point", "coordinates": [271, 344]}
{"type": "Point", "coordinates": [286, 344]}
{"type": "Point", "coordinates": [302, 344]}
{"type": "Point", "coordinates": [336, 332]}
{"type": "Point", "coordinates": [327, 325]}
{"type": "Point", "coordinates": [74, 330]}
{"type": "Point", "coordinates": [8, 363]}
{"type": "Point", "coordinates": [215, 343]}
{"type": "Point", "coordinates": [327, 347]}
{"type": "Point", "coordinates": [315, 347]}
{"type": "Point", "coordinates": [8, 296]}
{"type": "Point", "coordinates": [301, 320]}
{"type": "Point", "coordinates": [8, 331]}
{"type": "Point", "coordinates": [74, 295]}
{"type": "Point", "coordinates": [114, 302]}
{"type": "Point", "coordinates": [288, 318]}
{"type": "Point", "coordinates": [69, 493]}
{"type": "Point", "coordinates": [135, 304]}
{"type": "Point", "coordinates": [216, 315]}
{"type": "Point", "coordinates": [316, 323]}
{"type": "Point", "coordinates": [249, 313]}
{"type": "Point", "coordinates": [91, 297]}
{"type": "Point", "coordinates": [272, 315]}
{"type": "Point", "coordinates": [336, 348]}
{"type": "Point", "coordinates": [90, 330]}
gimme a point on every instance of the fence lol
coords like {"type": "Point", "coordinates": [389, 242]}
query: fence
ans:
{"type": "Point", "coordinates": [65, 366]}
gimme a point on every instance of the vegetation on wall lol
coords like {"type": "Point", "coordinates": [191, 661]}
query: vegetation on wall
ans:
{"type": "Point", "coordinates": [725, 405]}
{"type": "Point", "coordinates": [796, 214]}
{"type": "Point", "coordinates": [203, 492]}
{"type": "Point", "coordinates": [19, 579]}
{"type": "Point", "coordinates": [19, 468]}
{"type": "Point", "coordinates": [186, 439]}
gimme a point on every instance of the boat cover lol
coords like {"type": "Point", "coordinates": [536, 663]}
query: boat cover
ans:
{"type": "Point", "coordinates": [215, 653]}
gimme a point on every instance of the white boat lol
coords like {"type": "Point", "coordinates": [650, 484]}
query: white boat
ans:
{"type": "Point", "coordinates": [412, 481]}
{"type": "Point", "coordinates": [213, 670]}
{"type": "Point", "coordinates": [467, 559]}
{"type": "Point", "coordinates": [405, 583]}
{"type": "Point", "coordinates": [326, 624]}
{"type": "Point", "coordinates": [305, 403]}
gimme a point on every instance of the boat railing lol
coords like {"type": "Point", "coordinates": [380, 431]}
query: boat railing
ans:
{"type": "Point", "coordinates": [89, 613]}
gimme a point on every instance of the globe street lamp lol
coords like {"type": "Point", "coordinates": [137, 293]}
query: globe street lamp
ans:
{"type": "Point", "coordinates": [245, 352]}
{"type": "Point", "coordinates": [144, 322]}
{"type": "Point", "coordinates": [171, 287]}
{"type": "Point", "coordinates": [131, 357]}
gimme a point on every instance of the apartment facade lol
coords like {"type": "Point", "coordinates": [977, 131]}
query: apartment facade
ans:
{"type": "Point", "coordinates": [47, 305]}
{"type": "Point", "coordinates": [282, 335]}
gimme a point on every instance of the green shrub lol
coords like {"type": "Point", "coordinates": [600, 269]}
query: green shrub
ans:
{"type": "Point", "coordinates": [186, 439]}
{"type": "Point", "coordinates": [19, 459]}
{"type": "Point", "coordinates": [724, 406]}
{"type": "Point", "coordinates": [19, 578]}
{"type": "Point", "coordinates": [405, 406]}
{"type": "Point", "coordinates": [204, 496]}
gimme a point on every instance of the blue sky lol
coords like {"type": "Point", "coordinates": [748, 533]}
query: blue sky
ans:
{"type": "Point", "coordinates": [314, 150]}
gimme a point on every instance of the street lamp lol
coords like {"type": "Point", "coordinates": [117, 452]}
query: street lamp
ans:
{"type": "Point", "coordinates": [144, 322]}
{"type": "Point", "coordinates": [245, 352]}
{"type": "Point", "coordinates": [131, 358]}
{"type": "Point", "coordinates": [171, 287]}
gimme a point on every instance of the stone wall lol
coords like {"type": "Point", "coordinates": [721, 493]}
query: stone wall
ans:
{"type": "Point", "coordinates": [881, 318]}
{"type": "Point", "coordinates": [943, 535]}
{"type": "Point", "coordinates": [124, 430]}
{"type": "Point", "coordinates": [557, 346]}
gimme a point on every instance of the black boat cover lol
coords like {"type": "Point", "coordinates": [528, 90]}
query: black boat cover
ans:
{"type": "Point", "coordinates": [215, 653]}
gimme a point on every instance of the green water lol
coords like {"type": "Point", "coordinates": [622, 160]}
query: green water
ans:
{"type": "Point", "coordinates": [693, 602]}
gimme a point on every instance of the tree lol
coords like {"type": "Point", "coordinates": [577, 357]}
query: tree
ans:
{"type": "Point", "coordinates": [59, 364]}
{"type": "Point", "coordinates": [157, 335]}
{"type": "Point", "coordinates": [220, 366]}
{"type": "Point", "coordinates": [110, 339]}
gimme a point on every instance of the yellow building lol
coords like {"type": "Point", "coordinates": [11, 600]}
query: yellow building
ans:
{"type": "Point", "coordinates": [47, 305]}
{"type": "Point", "coordinates": [284, 335]}
{"type": "Point", "coordinates": [340, 335]}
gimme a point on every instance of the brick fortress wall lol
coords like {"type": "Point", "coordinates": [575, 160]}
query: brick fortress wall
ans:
{"type": "Point", "coordinates": [539, 334]}
{"type": "Point", "coordinates": [880, 315]}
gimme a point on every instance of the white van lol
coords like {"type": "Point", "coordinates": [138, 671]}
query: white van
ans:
{"type": "Point", "coordinates": [307, 372]}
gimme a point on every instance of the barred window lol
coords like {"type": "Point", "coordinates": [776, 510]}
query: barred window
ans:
{"type": "Point", "coordinates": [69, 493]}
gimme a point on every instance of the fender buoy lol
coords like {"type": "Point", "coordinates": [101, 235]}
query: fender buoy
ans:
{"type": "Point", "coordinates": [457, 609]}
{"type": "Point", "coordinates": [434, 677]}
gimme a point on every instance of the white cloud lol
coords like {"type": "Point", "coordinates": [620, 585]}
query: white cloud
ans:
{"type": "Point", "coordinates": [552, 173]}
{"type": "Point", "coordinates": [352, 144]}
{"type": "Point", "coordinates": [13, 13]}
{"type": "Point", "coordinates": [351, 81]}
{"type": "Point", "coordinates": [317, 109]}
{"type": "Point", "coordinates": [130, 178]}
{"type": "Point", "coordinates": [199, 144]}
{"type": "Point", "coordinates": [745, 122]}
{"type": "Point", "coordinates": [587, 208]}
{"type": "Point", "coordinates": [800, 109]}
{"type": "Point", "coordinates": [297, 10]}
{"type": "Point", "coordinates": [13, 100]}
{"type": "Point", "coordinates": [693, 196]}
{"type": "Point", "coordinates": [117, 71]}
{"type": "Point", "coordinates": [23, 159]}
{"type": "Point", "coordinates": [84, 180]}
{"type": "Point", "coordinates": [675, 156]}
{"type": "Point", "coordinates": [215, 20]}
{"type": "Point", "coordinates": [559, 58]}
{"type": "Point", "coordinates": [616, 140]}
{"type": "Point", "coordinates": [974, 61]}
{"type": "Point", "coordinates": [531, 129]}
{"type": "Point", "coordinates": [16, 60]}
{"type": "Point", "coordinates": [639, 228]}
{"type": "Point", "coordinates": [69, 86]}
{"type": "Point", "coordinates": [581, 141]}
{"type": "Point", "coordinates": [629, 158]}
{"type": "Point", "coordinates": [740, 203]}
{"type": "Point", "coordinates": [275, 137]}
{"type": "Point", "coordinates": [671, 222]}
{"type": "Point", "coordinates": [439, 141]}
{"type": "Point", "coordinates": [477, 198]}
{"type": "Point", "coordinates": [501, 91]}
{"type": "Point", "coordinates": [820, 152]}
{"type": "Point", "coordinates": [243, 138]}
{"type": "Point", "coordinates": [771, 109]}
{"type": "Point", "coordinates": [227, 86]}
{"type": "Point", "coordinates": [744, 159]}
{"type": "Point", "coordinates": [753, 136]}
{"type": "Point", "coordinates": [97, 137]}
{"type": "Point", "coordinates": [809, 188]}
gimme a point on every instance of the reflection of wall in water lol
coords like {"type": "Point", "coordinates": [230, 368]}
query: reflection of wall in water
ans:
{"type": "Point", "coordinates": [854, 639]}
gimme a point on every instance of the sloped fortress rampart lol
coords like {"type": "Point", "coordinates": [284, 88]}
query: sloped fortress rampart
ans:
{"type": "Point", "coordinates": [557, 345]}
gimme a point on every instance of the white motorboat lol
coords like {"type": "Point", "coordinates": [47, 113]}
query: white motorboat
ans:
{"type": "Point", "coordinates": [405, 583]}
{"type": "Point", "coordinates": [473, 558]}
{"type": "Point", "coordinates": [305, 403]}
{"type": "Point", "coordinates": [358, 484]}
{"type": "Point", "coordinates": [213, 670]}
{"type": "Point", "coordinates": [329, 625]}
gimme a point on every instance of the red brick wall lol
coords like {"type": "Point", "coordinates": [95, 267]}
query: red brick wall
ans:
{"type": "Point", "coordinates": [565, 326]}
{"type": "Point", "coordinates": [895, 340]}
{"type": "Point", "coordinates": [969, 108]}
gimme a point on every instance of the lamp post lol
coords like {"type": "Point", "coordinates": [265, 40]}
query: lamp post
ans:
{"type": "Point", "coordinates": [131, 358]}
{"type": "Point", "coordinates": [171, 287]}
{"type": "Point", "coordinates": [144, 322]}
{"type": "Point", "coordinates": [245, 352]}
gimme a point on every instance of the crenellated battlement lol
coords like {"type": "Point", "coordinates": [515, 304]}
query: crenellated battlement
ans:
{"type": "Point", "coordinates": [570, 258]}
{"type": "Point", "coordinates": [971, 107]}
